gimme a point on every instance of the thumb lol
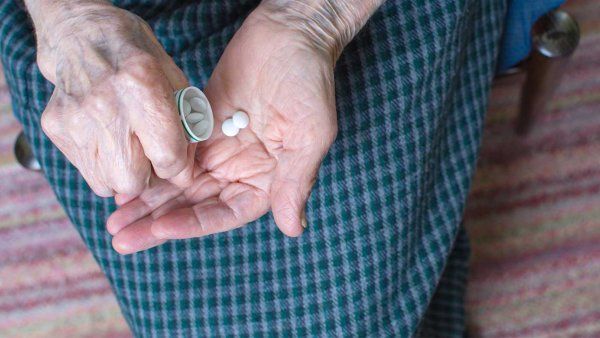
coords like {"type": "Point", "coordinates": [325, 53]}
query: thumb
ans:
{"type": "Point", "coordinates": [184, 179]}
{"type": "Point", "coordinates": [178, 80]}
{"type": "Point", "coordinates": [294, 178]}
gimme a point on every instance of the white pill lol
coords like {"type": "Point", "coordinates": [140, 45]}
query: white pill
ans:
{"type": "Point", "coordinates": [240, 119]}
{"type": "Point", "coordinates": [187, 108]}
{"type": "Point", "coordinates": [198, 104]}
{"type": "Point", "coordinates": [195, 117]}
{"type": "Point", "coordinates": [200, 127]}
{"type": "Point", "coordinates": [229, 129]}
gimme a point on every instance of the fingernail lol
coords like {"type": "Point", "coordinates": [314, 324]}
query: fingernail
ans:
{"type": "Point", "coordinates": [303, 220]}
{"type": "Point", "coordinates": [121, 247]}
{"type": "Point", "coordinates": [111, 231]}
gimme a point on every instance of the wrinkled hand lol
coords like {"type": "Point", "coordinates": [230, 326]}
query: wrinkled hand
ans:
{"type": "Point", "coordinates": [112, 112]}
{"type": "Point", "coordinates": [286, 86]}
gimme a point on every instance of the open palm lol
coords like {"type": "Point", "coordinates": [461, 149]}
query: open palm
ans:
{"type": "Point", "coordinates": [285, 85]}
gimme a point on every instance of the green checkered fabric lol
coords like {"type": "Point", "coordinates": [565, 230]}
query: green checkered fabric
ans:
{"type": "Point", "coordinates": [385, 254]}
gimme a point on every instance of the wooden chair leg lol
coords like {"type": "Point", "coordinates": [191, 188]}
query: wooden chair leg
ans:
{"type": "Point", "coordinates": [555, 38]}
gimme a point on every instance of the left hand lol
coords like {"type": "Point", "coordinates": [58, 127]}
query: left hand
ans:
{"type": "Point", "coordinates": [112, 112]}
{"type": "Point", "coordinates": [285, 84]}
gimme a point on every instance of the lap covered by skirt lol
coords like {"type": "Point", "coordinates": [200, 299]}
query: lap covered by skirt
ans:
{"type": "Point", "coordinates": [384, 254]}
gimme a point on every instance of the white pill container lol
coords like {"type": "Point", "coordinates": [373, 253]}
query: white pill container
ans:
{"type": "Point", "coordinates": [200, 125]}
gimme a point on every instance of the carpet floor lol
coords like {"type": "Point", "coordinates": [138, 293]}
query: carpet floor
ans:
{"type": "Point", "coordinates": [533, 217]}
{"type": "Point", "coordinates": [50, 286]}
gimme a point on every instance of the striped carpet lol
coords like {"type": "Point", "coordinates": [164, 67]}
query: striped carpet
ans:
{"type": "Point", "coordinates": [534, 210]}
{"type": "Point", "coordinates": [50, 286]}
{"type": "Point", "coordinates": [533, 217]}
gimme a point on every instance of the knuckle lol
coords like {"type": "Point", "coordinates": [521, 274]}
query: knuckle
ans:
{"type": "Point", "coordinates": [198, 217]}
{"type": "Point", "coordinates": [327, 138]}
{"type": "Point", "coordinates": [143, 25]}
{"type": "Point", "coordinates": [101, 107]}
{"type": "Point", "coordinates": [45, 67]}
{"type": "Point", "coordinates": [331, 134]}
{"type": "Point", "coordinates": [168, 160]}
{"type": "Point", "coordinates": [140, 69]}
{"type": "Point", "coordinates": [98, 103]}
{"type": "Point", "coordinates": [130, 184]}
{"type": "Point", "coordinates": [103, 192]}
{"type": "Point", "coordinates": [286, 214]}
{"type": "Point", "coordinates": [134, 173]}
{"type": "Point", "coordinates": [94, 181]}
{"type": "Point", "coordinates": [100, 189]}
{"type": "Point", "coordinates": [50, 122]}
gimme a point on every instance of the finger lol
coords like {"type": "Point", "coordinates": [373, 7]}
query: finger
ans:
{"type": "Point", "coordinates": [126, 169]}
{"type": "Point", "coordinates": [237, 205]}
{"type": "Point", "coordinates": [55, 126]}
{"type": "Point", "coordinates": [89, 166]}
{"type": "Point", "coordinates": [294, 179]}
{"type": "Point", "coordinates": [47, 68]}
{"type": "Point", "coordinates": [155, 119]}
{"type": "Point", "coordinates": [126, 215]}
{"type": "Point", "coordinates": [185, 178]}
{"type": "Point", "coordinates": [178, 81]}
{"type": "Point", "coordinates": [136, 237]}
{"type": "Point", "coordinates": [176, 77]}
{"type": "Point", "coordinates": [158, 193]}
{"type": "Point", "coordinates": [98, 186]}
{"type": "Point", "coordinates": [121, 199]}
{"type": "Point", "coordinates": [174, 74]}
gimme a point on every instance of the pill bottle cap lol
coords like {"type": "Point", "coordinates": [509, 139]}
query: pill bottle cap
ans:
{"type": "Point", "coordinates": [188, 94]}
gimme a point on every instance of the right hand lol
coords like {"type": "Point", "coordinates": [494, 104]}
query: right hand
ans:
{"type": "Point", "coordinates": [112, 112]}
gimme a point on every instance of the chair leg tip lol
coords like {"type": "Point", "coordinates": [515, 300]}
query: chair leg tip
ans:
{"type": "Point", "coordinates": [24, 154]}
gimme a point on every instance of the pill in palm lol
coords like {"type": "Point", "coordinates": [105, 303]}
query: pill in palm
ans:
{"type": "Point", "coordinates": [240, 119]}
{"type": "Point", "coordinates": [187, 108]}
{"type": "Point", "coordinates": [195, 117]}
{"type": "Point", "coordinates": [198, 104]}
{"type": "Point", "coordinates": [228, 128]}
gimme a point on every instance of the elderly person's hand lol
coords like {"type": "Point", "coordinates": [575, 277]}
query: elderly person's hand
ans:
{"type": "Point", "coordinates": [279, 69]}
{"type": "Point", "coordinates": [112, 112]}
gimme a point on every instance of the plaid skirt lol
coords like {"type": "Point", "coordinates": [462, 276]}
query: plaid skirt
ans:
{"type": "Point", "coordinates": [385, 254]}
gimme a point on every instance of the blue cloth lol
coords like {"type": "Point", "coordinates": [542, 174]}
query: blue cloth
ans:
{"type": "Point", "coordinates": [516, 41]}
